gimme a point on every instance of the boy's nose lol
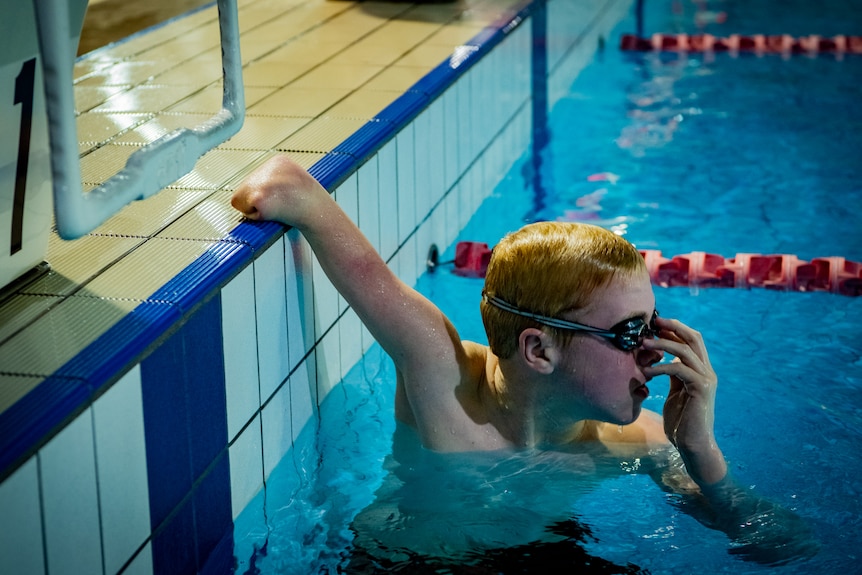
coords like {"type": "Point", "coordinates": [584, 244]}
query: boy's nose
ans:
{"type": "Point", "coordinates": [648, 357]}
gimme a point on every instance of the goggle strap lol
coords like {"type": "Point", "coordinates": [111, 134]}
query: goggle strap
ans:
{"type": "Point", "coordinates": [545, 320]}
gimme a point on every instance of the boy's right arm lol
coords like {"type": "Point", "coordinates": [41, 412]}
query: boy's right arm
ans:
{"type": "Point", "coordinates": [423, 344]}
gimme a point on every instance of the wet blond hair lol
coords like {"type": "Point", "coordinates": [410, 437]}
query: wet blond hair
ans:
{"type": "Point", "coordinates": [550, 268]}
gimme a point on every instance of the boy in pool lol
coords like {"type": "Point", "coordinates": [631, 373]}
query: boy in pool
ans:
{"type": "Point", "coordinates": [537, 384]}
{"type": "Point", "coordinates": [574, 338]}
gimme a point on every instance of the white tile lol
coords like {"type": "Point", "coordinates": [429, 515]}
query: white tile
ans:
{"type": "Point", "coordinates": [277, 438]}
{"type": "Point", "coordinates": [328, 364]}
{"type": "Point", "coordinates": [513, 82]}
{"type": "Point", "coordinates": [450, 209]}
{"type": "Point", "coordinates": [21, 522]}
{"type": "Point", "coordinates": [472, 97]}
{"type": "Point", "coordinates": [451, 138]}
{"type": "Point", "coordinates": [504, 71]}
{"type": "Point", "coordinates": [271, 312]}
{"type": "Point", "coordinates": [472, 191]}
{"type": "Point", "coordinates": [350, 340]}
{"type": "Point", "coordinates": [522, 134]}
{"type": "Point", "coordinates": [369, 202]}
{"type": "Point", "coordinates": [438, 229]}
{"type": "Point", "coordinates": [121, 462]}
{"type": "Point", "coordinates": [70, 500]}
{"type": "Point", "coordinates": [303, 395]}
{"type": "Point", "coordinates": [525, 65]}
{"type": "Point", "coordinates": [455, 129]}
{"type": "Point", "coordinates": [490, 163]}
{"type": "Point", "coordinates": [300, 296]}
{"type": "Point", "coordinates": [436, 153]}
{"type": "Point", "coordinates": [507, 147]}
{"type": "Point", "coordinates": [239, 331]}
{"type": "Point", "coordinates": [325, 302]}
{"type": "Point", "coordinates": [486, 102]}
{"type": "Point", "coordinates": [142, 564]}
{"type": "Point", "coordinates": [387, 170]}
{"type": "Point", "coordinates": [246, 467]}
{"type": "Point", "coordinates": [501, 74]}
{"type": "Point", "coordinates": [477, 136]}
{"type": "Point", "coordinates": [424, 239]}
{"type": "Point", "coordinates": [406, 183]}
{"type": "Point", "coordinates": [423, 166]}
{"type": "Point", "coordinates": [466, 149]}
{"type": "Point", "coordinates": [494, 163]}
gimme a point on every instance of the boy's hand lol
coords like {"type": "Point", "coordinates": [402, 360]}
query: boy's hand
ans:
{"type": "Point", "coordinates": [280, 190]}
{"type": "Point", "coordinates": [689, 411]}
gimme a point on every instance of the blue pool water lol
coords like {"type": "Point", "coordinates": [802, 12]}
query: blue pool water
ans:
{"type": "Point", "coordinates": [723, 155]}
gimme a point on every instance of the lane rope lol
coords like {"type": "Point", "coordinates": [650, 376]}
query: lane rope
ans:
{"type": "Point", "coordinates": [758, 43]}
{"type": "Point", "coordinates": [784, 272]}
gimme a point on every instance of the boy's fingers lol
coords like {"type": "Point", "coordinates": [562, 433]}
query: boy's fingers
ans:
{"type": "Point", "coordinates": [678, 331]}
{"type": "Point", "coordinates": [243, 202]}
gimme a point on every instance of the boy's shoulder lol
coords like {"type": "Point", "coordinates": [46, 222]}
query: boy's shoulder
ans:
{"type": "Point", "coordinates": [647, 432]}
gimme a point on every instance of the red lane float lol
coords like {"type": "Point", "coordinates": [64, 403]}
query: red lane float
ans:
{"type": "Point", "coordinates": [471, 259]}
{"type": "Point", "coordinates": [777, 44]}
{"type": "Point", "coordinates": [700, 269]}
{"type": "Point", "coordinates": [781, 272]}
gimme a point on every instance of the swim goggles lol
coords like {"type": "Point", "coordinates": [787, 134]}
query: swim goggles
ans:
{"type": "Point", "coordinates": [626, 335]}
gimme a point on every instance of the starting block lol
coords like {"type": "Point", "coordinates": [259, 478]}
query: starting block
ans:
{"type": "Point", "coordinates": [40, 171]}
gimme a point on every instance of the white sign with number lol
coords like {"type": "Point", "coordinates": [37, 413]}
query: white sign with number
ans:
{"type": "Point", "coordinates": [25, 170]}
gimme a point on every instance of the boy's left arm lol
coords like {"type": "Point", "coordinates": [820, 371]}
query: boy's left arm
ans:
{"type": "Point", "coordinates": [761, 530]}
{"type": "Point", "coordinates": [689, 411]}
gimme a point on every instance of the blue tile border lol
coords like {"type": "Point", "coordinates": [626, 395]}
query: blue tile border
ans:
{"type": "Point", "coordinates": [332, 170]}
{"type": "Point", "coordinates": [204, 276]}
{"type": "Point", "coordinates": [404, 109]}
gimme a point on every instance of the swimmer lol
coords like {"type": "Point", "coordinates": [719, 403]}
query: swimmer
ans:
{"type": "Point", "coordinates": [574, 339]}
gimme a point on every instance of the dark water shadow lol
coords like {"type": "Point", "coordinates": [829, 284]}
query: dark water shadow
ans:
{"type": "Point", "coordinates": [536, 557]}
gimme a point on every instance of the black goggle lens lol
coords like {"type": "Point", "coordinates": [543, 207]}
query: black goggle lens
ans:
{"type": "Point", "coordinates": [631, 334]}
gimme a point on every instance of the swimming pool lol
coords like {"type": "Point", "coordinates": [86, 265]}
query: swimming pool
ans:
{"type": "Point", "coordinates": [698, 155]}
{"type": "Point", "coordinates": [138, 446]}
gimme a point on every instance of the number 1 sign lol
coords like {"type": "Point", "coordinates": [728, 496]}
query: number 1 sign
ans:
{"type": "Point", "coordinates": [25, 169]}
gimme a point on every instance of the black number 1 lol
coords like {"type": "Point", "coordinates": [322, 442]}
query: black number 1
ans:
{"type": "Point", "coordinates": [23, 95]}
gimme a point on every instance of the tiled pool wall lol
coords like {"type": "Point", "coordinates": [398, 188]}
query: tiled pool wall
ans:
{"type": "Point", "coordinates": [151, 476]}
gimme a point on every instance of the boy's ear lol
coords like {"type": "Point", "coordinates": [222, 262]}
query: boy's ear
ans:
{"type": "Point", "coordinates": [537, 349]}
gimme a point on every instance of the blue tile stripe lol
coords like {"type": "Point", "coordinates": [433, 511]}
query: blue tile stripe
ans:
{"type": "Point", "coordinates": [185, 427]}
